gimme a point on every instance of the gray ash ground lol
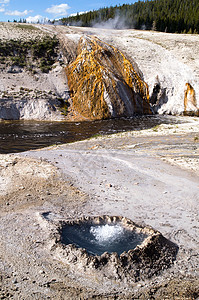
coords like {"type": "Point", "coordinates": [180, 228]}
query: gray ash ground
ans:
{"type": "Point", "coordinates": [121, 175]}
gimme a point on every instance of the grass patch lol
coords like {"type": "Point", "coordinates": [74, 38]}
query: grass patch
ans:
{"type": "Point", "coordinates": [27, 27]}
{"type": "Point", "coordinates": [97, 135]}
{"type": "Point", "coordinates": [156, 128]}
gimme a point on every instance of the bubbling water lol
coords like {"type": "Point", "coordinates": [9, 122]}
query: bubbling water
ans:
{"type": "Point", "coordinates": [106, 233]}
{"type": "Point", "coordinates": [97, 239]}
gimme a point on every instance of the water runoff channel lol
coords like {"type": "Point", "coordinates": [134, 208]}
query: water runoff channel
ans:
{"type": "Point", "coordinates": [19, 136]}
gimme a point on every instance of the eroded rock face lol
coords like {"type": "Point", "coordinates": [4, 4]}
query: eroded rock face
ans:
{"type": "Point", "coordinates": [153, 255]}
{"type": "Point", "coordinates": [104, 83]}
{"type": "Point", "coordinates": [30, 109]}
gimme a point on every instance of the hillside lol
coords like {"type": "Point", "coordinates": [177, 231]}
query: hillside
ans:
{"type": "Point", "coordinates": [88, 73]}
{"type": "Point", "coordinates": [32, 79]}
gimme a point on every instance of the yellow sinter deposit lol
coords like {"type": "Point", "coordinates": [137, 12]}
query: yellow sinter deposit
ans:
{"type": "Point", "coordinates": [190, 103]}
{"type": "Point", "coordinates": [104, 83]}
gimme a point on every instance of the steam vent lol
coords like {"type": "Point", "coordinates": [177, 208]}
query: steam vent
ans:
{"type": "Point", "coordinates": [104, 83]}
{"type": "Point", "coordinates": [114, 247]}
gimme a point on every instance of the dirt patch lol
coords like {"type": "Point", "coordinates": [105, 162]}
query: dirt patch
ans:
{"type": "Point", "coordinates": [27, 183]}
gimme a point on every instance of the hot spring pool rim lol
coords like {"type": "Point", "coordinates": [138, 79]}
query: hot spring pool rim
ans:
{"type": "Point", "coordinates": [151, 257]}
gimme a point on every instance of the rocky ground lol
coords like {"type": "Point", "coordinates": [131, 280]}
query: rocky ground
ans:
{"type": "Point", "coordinates": [149, 176]}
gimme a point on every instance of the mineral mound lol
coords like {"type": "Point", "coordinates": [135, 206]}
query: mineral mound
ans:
{"type": "Point", "coordinates": [154, 254]}
{"type": "Point", "coordinates": [190, 103]}
{"type": "Point", "coordinates": [104, 83]}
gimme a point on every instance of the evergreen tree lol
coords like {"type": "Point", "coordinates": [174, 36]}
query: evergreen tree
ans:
{"type": "Point", "coordinates": [162, 15]}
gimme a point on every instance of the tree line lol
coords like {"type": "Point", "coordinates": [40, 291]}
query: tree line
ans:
{"type": "Point", "coordinates": [180, 16]}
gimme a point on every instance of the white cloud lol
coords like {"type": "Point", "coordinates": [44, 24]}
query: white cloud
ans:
{"type": "Point", "coordinates": [58, 10]}
{"type": "Point", "coordinates": [79, 13]}
{"type": "Point", "coordinates": [3, 4]}
{"type": "Point", "coordinates": [4, 1]}
{"type": "Point", "coordinates": [18, 13]}
{"type": "Point", "coordinates": [34, 19]}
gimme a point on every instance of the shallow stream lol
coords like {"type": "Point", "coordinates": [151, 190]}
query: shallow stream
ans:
{"type": "Point", "coordinates": [18, 136]}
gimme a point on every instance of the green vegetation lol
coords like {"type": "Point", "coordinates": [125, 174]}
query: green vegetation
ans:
{"type": "Point", "coordinates": [26, 27]}
{"type": "Point", "coordinates": [39, 53]}
{"type": "Point", "coordinates": [181, 16]}
{"type": "Point", "coordinates": [45, 51]}
{"type": "Point", "coordinates": [155, 128]}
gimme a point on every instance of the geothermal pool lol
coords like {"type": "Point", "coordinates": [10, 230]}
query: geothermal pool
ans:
{"type": "Point", "coordinates": [115, 246]}
{"type": "Point", "coordinates": [97, 239]}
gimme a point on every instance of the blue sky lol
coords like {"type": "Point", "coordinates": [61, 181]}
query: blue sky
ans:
{"type": "Point", "coordinates": [33, 10]}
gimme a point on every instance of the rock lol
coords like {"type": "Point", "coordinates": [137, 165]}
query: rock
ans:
{"type": "Point", "coordinates": [15, 281]}
{"type": "Point", "coordinates": [104, 83]}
